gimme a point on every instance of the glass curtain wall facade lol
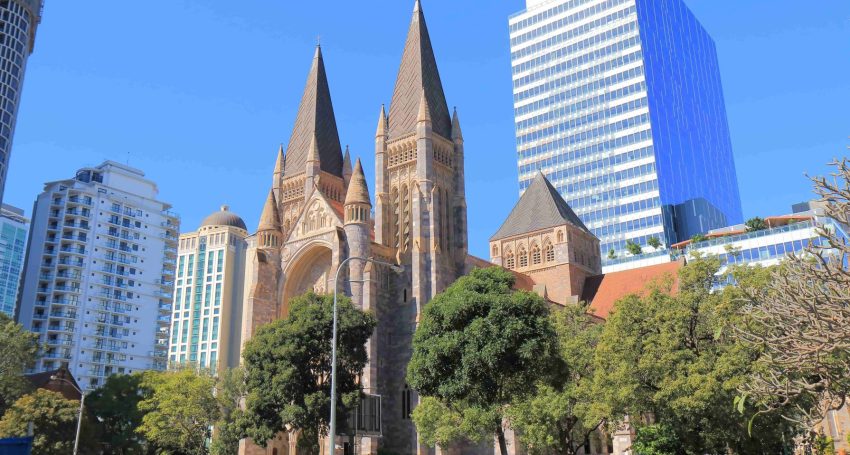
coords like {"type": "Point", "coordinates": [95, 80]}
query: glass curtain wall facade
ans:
{"type": "Point", "coordinates": [619, 103]}
{"type": "Point", "coordinates": [18, 22]}
{"type": "Point", "coordinates": [13, 238]}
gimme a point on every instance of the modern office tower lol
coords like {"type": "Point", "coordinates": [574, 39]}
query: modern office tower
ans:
{"type": "Point", "coordinates": [18, 22]}
{"type": "Point", "coordinates": [99, 274]}
{"type": "Point", "coordinates": [619, 103]}
{"type": "Point", "coordinates": [13, 239]}
{"type": "Point", "coordinates": [206, 322]}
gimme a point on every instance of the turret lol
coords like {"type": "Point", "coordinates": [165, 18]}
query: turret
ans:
{"type": "Point", "coordinates": [382, 204]}
{"type": "Point", "coordinates": [268, 233]}
{"type": "Point", "coordinates": [279, 169]}
{"type": "Point", "coordinates": [357, 208]}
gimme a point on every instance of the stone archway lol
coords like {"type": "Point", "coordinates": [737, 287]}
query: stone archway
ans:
{"type": "Point", "coordinates": [308, 270]}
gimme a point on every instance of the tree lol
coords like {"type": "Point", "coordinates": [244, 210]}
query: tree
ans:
{"type": "Point", "coordinates": [442, 425]}
{"type": "Point", "coordinates": [230, 390]}
{"type": "Point", "coordinates": [18, 348]}
{"type": "Point", "coordinates": [556, 418]}
{"type": "Point", "coordinates": [480, 345]}
{"type": "Point", "coordinates": [115, 405]}
{"type": "Point", "coordinates": [179, 410]}
{"type": "Point", "coordinates": [612, 254]}
{"type": "Point", "coordinates": [800, 320]}
{"type": "Point", "coordinates": [756, 224]}
{"type": "Point", "coordinates": [654, 242]}
{"type": "Point", "coordinates": [673, 356]}
{"type": "Point", "coordinates": [633, 248]}
{"type": "Point", "coordinates": [54, 421]}
{"type": "Point", "coordinates": [655, 440]}
{"type": "Point", "coordinates": [288, 364]}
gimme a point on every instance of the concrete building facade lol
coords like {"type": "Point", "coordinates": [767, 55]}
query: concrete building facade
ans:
{"type": "Point", "coordinates": [14, 228]}
{"type": "Point", "coordinates": [206, 321]}
{"type": "Point", "coordinates": [99, 274]}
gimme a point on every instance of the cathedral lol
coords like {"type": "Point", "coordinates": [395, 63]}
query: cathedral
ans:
{"type": "Point", "coordinates": [318, 212]}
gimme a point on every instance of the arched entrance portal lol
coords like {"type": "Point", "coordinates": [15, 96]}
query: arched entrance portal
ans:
{"type": "Point", "coordinates": [309, 270]}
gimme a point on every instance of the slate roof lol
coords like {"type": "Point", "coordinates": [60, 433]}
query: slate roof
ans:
{"type": "Point", "coordinates": [418, 72]}
{"type": "Point", "coordinates": [540, 207]}
{"type": "Point", "coordinates": [315, 118]}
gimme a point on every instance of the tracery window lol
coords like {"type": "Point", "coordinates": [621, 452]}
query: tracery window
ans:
{"type": "Point", "coordinates": [535, 254]}
{"type": "Point", "coordinates": [523, 257]}
{"type": "Point", "coordinates": [509, 259]}
{"type": "Point", "coordinates": [549, 251]}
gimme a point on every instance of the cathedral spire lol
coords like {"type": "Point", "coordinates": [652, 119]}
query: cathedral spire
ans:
{"type": "Point", "coordinates": [315, 121]}
{"type": "Point", "coordinates": [456, 132]}
{"type": "Point", "coordinates": [424, 110]}
{"type": "Point", "coordinates": [280, 163]}
{"type": "Point", "coordinates": [346, 166]}
{"type": "Point", "coordinates": [418, 72]}
{"type": "Point", "coordinates": [382, 123]}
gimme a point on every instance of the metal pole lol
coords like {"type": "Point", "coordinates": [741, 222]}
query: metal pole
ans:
{"type": "Point", "coordinates": [79, 422]}
{"type": "Point", "coordinates": [332, 434]}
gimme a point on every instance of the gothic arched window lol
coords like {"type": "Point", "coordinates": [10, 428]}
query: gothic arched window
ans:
{"type": "Point", "coordinates": [495, 250]}
{"type": "Point", "coordinates": [560, 236]}
{"type": "Point", "coordinates": [523, 257]}
{"type": "Point", "coordinates": [549, 251]}
{"type": "Point", "coordinates": [406, 220]}
{"type": "Point", "coordinates": [395, 228]}
{"type": "Point", "coordinates": [535, 254]}
{"type": "Point", "coordinates": [509, 259]}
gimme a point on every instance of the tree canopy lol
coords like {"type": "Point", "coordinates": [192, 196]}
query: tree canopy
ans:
{"type": "Point", "coordinates": [54, 420]}
{"type": "Point", "coordinates": [18, 348]}
{"type": "Point", "coordinates": [479, 345]}
{"type": "Point", "coordinates": [288, 364]}
{"type": "Point", "coordinates": [115, 405]}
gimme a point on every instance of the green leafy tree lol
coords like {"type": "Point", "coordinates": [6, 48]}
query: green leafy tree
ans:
{"type": "Point", "coordinates": [54, 421]}
{"type": "Point", "coordinates": [115, 405]}
{"type": "Point", "coordinates": [18, 348]}
{"type": "Point", "coordinates": [655, 440]}
{"type": "Point", "coordinates": [756, 224]}
{"type": "Point", "coordinates": [230, 390]}
{"type": "Point", "coordinates": [612, 254]}
{"type": "Point", "coordinates": [288, 364]}
{"type": "Point", "coordinates": [556, 418]}
{"type": "Point", "coordinates": [442, 425]}
{"type": "Point", "coordinates": [674, 356]}
{"type": "Point", "coordinates": [654, 242]}
{"type": "Point", "coordinates": [633, 248]}
{"type": "Point", "coordinates": [480, 345]}
{"type": "Point", "coordinates": [178, 411]}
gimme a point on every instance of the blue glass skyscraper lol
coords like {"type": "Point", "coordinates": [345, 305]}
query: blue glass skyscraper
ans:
{"type": "Point", "coordinates": [620, 104]}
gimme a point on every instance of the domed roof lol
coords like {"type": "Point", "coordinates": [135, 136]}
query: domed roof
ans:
{"type": "Point", "coordinates": [224, 217]}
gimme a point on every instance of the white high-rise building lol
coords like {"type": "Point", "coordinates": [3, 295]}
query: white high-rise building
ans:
{"type": "Point", "coordinates": [207, 319]}
{"type": "Point", "coordinates": [99, 274]}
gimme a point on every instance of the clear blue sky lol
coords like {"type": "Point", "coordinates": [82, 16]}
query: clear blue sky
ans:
{"type": "Point", "coordinates": [199, 94]}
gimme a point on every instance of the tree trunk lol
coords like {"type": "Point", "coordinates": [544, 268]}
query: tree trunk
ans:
{"type": "Point", "coordinates": [500, 435]}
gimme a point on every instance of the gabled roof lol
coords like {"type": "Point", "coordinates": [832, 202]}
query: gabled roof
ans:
{"type": "Point", "coordinates": [540, 207]}
{"type": "Point", "coordinates": [603, 291]}
{"type": "Point", "coordinates": [418, 72]}
{"type": "Point", "coordinates": [315, 118]}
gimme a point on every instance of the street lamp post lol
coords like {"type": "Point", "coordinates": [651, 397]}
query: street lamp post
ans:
{"type": "Point", "coordinates": [394, 268]}
{"type": "Point", "coordinates": [80, 415]}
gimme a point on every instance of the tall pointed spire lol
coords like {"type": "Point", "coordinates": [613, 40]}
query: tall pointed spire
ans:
{"type": "Point", "coordinates": [382, 123]}
{"type": "Point", "coordinates": [358, 191]}
{"type": "Point", "coordinates": [346, 166]}
{"type": "Point", "coordinates": [270, 219]}
{"type": "Point", "coordinates": [418, 72]}
{"type": "Point", "coordinates": [280, 163]}
{"type": "Point", "coordinates": [315, 121]}
{"type": "Point", "coordinates": [456, 132]}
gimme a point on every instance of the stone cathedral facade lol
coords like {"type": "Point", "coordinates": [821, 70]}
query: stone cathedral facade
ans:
{"type": "Point", "coordinates": [318, 212]}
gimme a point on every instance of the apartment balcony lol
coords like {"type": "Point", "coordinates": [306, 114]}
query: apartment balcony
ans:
{"type": "Point", "coordinates": [165, 307]}
{"type": "Point", "coordinates": [109, 334]}
{"type": "Point", "coordinates": [52, 226]}
{"type": "Point", "coordinates": [43, 289]}
{"type": "Point", "coordinates": [66, 302]}
{"type": "Point", "coordinates": [39, 317]}
{"type": "Point", "coordinates": [77, 213]}
{"type": "Point", "coordinates": [76, 200]}
{"type": "Point", "coordinates": [74, 238]}
{"type": "Point", "coordinates": [69, 275]}
{"type": "Point", "coordinates": [74, 250]}
{"type": "Point", "coordinates": [45, 276]}
{"type": "Point", "coordinates": [71, 262]}
{"type": "Point", "coordinates": [60, 328]}
{"type": "Point", "coordinates": [73, 289]}
{"type": "Point", "coordinates": [111, 347]}
{"type": "Point", "coordinates": [166, 319]}
{"type": "Point", "coordinates": [59, 342]}
{"type": "Point", "coordinates": [50, 239]}
{"type": "Point", "coordinates": [169, 261]}
{"type": "Point", "coordinates": [50, 252]}
{"type": "Point", "coordinates": [77, 225]}
{"type": "Point", "coordinates": [63, 315]}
